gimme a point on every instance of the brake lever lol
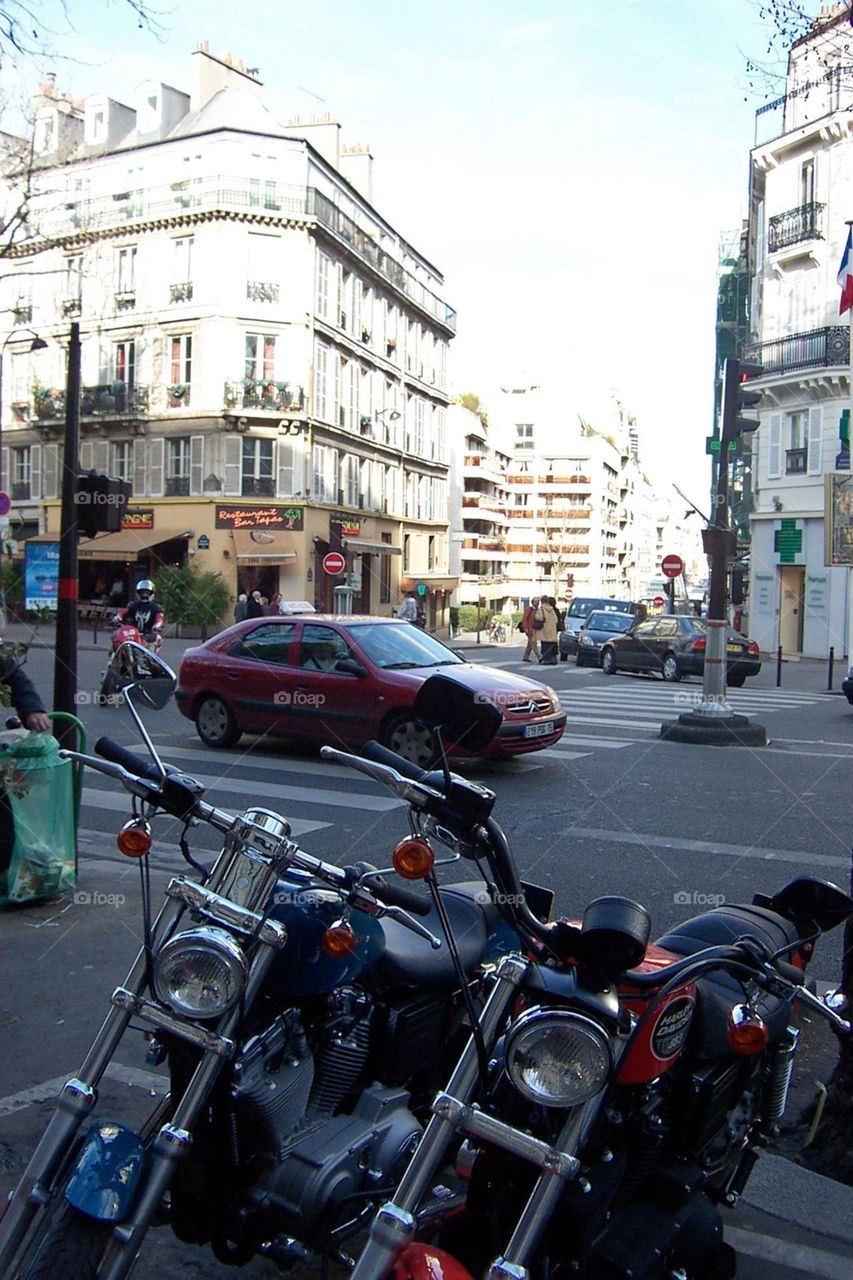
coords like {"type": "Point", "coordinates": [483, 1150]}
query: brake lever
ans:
{"type": "Point", "coordinates": [413, 793]}
{"type": "Point", "coordinates": [363, 900]}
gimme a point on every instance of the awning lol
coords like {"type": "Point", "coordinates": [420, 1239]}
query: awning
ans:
{"type": "Point", "coordinates": [125, 545]}
{"type": "Point", "coordinates": [377, 548]}
{"type": "Point", "coordinates": [263, 546]}
{"type": "Point", "coordinates": [436, 582]}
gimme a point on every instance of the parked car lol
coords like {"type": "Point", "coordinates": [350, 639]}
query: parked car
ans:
{"type": "Point", "coordinates": [578, 612]}
{"type": "Point", "coordinates": [323, 679]}
{"type": "Point", "coordinates": [599, 627]}
{"type": "Point", "coordinates": [674, 646]}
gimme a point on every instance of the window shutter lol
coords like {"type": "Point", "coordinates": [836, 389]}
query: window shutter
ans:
{"type": "Point", "coordinates": [4, 466]}
{"type": "Point", "coordinates": [289, 473]}
{"type": "Point", "coordinates": [196, 465]}
{"type": "Point", "coordinates": [50, 475]}
{"type": "Point", "coordinates": [35, 471]}
{"type": "Point", "coordinates": [233, 464]}
{"type": "Point", "coordinates": [87, 456]}
{"type": "Point", "coordinates": [774, 452]}
{"type": "Point", "coordinates": [156, 451]}
{"type": "Point", "coordinates": [140, 470]}
{"type": "Point", "coordinates": [815, 450]}
{"type": "Point", "coordinates": [102, 457]}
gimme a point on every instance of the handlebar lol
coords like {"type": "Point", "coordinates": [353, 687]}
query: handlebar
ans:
{"type": "Point", "coordinates": [132, 763]}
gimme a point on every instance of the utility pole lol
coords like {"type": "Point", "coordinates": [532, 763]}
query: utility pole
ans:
{"type": "Point", "coordinates": [65, 665]}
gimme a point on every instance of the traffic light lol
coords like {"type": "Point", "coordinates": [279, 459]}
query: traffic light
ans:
{"type": "Point", "coordinates": [738, 396]}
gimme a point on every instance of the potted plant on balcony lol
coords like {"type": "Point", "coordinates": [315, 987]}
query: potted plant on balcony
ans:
{"type": "Point", "coordinates": [177, 394]}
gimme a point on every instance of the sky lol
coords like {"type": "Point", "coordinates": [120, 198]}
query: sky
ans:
{"type": "Point", "coordinates": [569, 167]}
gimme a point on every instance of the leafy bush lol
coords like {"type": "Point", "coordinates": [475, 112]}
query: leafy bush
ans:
{"type": "Point", "coordinates": [192, 597]}
{"type": "Point", "coordinates": [468, 617]}
{"type": "Point", "coordinates": [12, 579]}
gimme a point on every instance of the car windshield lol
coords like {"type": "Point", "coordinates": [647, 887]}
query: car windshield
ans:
{"type": "Point", "coordinates": [609, 621]}
{"type": "Point", "coordinates": [582, 608]}
{"type": "Point", "coordinates": [396, 646]}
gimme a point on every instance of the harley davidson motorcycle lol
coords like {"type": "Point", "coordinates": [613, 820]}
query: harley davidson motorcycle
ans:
{"type": "Point", "coordinates": [614, 1093]}
{"type": "Point", "coordinates": [306, 1014]}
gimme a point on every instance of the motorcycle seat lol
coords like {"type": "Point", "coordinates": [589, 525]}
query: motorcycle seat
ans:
{"type": "Point", "coordinates": [724, 925]}
{"type": "Point", "coordinates": [409, 961]}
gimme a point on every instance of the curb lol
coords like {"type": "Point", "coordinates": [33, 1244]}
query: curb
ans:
{"type": "Point", "coordinates": [786, 1190]}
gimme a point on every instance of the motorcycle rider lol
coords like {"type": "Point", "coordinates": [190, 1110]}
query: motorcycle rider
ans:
{"type": "Point", "coordinates": [145, 613]}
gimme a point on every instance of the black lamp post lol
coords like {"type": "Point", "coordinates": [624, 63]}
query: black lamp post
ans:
{"type": "Point", "coordinates": [65, 665]}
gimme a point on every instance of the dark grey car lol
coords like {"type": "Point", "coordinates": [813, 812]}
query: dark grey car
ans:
{"type": "Point", "coordinates": [600, 626]}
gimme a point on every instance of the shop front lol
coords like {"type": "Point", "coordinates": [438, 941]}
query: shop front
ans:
{"type": "Point", "coordinates": [367, 548]}
{"type": "Point", "coordinates": [433, 591]}
{"type": "Point", "coordinates": [265, 545]}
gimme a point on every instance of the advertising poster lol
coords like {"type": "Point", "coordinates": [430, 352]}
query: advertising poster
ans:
{"type": "Point", "coordinates": [838, 518]}
{"type": "Point", "coordinates": [41, 575]}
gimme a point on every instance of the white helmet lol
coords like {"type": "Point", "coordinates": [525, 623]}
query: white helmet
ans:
{"type": "Point", "coordinates": [145, 584]}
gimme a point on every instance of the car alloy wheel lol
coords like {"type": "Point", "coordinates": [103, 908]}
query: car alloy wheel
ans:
{"type": "Point", "coordinates": [411, 740]}
{"type": "Point", "coordinates": [670, 668]}
{"type": "Point", "coordinates": [215, 724]}
{"type": "Point", "coordinates": [608, 662]}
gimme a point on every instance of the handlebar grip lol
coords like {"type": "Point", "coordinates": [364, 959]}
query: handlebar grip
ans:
{"type": "Point", "coordinates": [117, 754]}
{"type": "Point", "coordinates": [382, 755]}
{"type": "Point", "coordinates": [397, 895]}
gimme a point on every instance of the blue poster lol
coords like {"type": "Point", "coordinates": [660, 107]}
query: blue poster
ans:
{"type": "Point", "coordinates": [41, 575]}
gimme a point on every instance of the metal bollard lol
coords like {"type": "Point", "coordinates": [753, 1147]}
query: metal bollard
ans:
{"type": "Point", "coordinates": [94, 628]}
{"type": "Point", "coordinates": [831, 665]}
{"type": "Point", "coordinates": [779, 667]}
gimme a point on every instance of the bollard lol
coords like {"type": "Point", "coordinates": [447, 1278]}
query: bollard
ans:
{"type": "Point", "coordinates": [779, 666]}
{"type": "Point", "coordinates": [831, 665]}
{"type": "Point", "coordinates": [94, 628]}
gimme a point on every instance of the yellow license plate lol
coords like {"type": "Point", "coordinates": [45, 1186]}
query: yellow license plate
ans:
{"type": "Point", "coordinates": [734, 648]}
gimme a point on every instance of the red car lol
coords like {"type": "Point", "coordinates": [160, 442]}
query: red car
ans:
{"type": "Point", "coordinates": [334, 680]}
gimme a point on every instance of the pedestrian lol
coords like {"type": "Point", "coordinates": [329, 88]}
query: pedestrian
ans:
{"type": "Point", "coordinates": [265, 606]}
{"type": "Point", "coordinates": [254, 608]}
{"type": "Point", "coordinates": [275, 604]}
{"type": "Point", "coordinates": [549, 631]}
{"type": "Point", "coordinates": [31, 712]}
{"type": "Point", "coordinates": [408, 609]}
{"type": "Point", "coordinates": [240, 608]}
{"type": "Point", "coordinates": [528, 625]}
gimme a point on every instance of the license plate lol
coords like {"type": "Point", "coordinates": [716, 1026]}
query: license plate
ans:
{"type": "Point", "coordinates": [538, 730]}
{"type": "Point", "coordinates": [734, 648]}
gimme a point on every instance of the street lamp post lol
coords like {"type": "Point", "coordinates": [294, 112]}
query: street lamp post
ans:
{"type": "Point", "coordinates": [65, 664]}
{"type": "Point", "coordinates": [37, 344]}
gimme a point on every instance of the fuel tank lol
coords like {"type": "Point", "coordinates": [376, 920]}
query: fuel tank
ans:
{"type": "Point", "coordinates": [662, 1037]}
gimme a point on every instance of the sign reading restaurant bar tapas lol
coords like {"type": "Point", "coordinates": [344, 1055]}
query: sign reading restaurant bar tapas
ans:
{"type": "Point", "coordinates": [233, 516]}
{"type": "Point", "coordinates": [138, 518]}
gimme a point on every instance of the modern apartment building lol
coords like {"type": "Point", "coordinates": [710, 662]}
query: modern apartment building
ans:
{"type": "Point", "coordinates": [264, 356]}
{"type": "Point", "coordinates": [801, 199]}
{"type": "Point", "coordinates": [480, 508]}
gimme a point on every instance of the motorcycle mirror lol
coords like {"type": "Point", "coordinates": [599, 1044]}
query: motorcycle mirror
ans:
{"type": "Point", "coordinates": [466, 719]}
{"type": "Point", "coordinates": [142, 676]}
{"type": "Point", "coordinates": [809, 901]}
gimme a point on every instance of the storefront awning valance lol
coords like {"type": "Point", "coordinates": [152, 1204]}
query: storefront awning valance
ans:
{"type": "Point", "coordinates": [263, 546]}
{"type": "Point", "coordinates": [375, 548]}
{"type": "Point", "coordinates": [128, 544]}
{"type": "Point", "coordinates": [435, 582]}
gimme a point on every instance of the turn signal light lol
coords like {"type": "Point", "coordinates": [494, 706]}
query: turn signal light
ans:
{"type": "Point", "coordinates": [413, 858]}
{"type": "Point", "coordinates": [747, 1033]}
{"type": "Point", "coordinates": [338, 940]}
{"type": "Point", "coordinates": [134, 839]}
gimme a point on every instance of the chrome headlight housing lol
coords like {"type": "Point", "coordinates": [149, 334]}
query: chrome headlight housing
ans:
{"type": "Point", "coordinates": [583, 638]}
{"type": "Point", "coordinates": [557, 1058]}
{"type": "Point", "coordinates": [201, 973]}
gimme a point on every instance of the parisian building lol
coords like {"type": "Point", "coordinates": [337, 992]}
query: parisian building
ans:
{"type": "Point", "coordinates": [801, 184]}
{"type": "Point", "coordinates": [263, 355]}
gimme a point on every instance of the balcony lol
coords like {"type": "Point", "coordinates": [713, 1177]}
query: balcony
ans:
{"type": "Point", "coordinates": [181, 292]}
{"type": "Point", "coordinates": [125, 299]}
{"type": "Point", "coordinates": [795, 226]}
{"type": "Point", "coordinates": [71, 307]}
{"type": "Point", "coordinates": [108, 400]}
{"type": "Point", "coordinates": [258, 393]}
{"type": "Point", "coordinates": [261, 291]}
{"type": "Point", "coordinates": [22, 312]}
{"type": "Point", "coordinates": [177, 486]}
{"type": "Point", "coordinates": [813, 349]}
{"type": "Point", "coordinates": [796, 462]}
{"type": "Point", "coordinates": [811, 101]}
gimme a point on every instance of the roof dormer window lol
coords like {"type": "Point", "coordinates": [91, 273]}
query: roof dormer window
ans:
{"type": "Point", "coordinates": [95, 132]}
{"type": "Point", "coordinates": [148, 108]}
{"type": "Point", "coordinates": [45, 133]}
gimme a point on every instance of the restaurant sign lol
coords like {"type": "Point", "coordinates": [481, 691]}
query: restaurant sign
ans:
{"type": "Point", "coordinates": [138, 518]}
{"type": "Point", "coordinates": [233, 516]}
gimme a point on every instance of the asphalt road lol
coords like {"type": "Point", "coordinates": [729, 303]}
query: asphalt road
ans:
{"type": "Point", "coordinates": [610, 809]}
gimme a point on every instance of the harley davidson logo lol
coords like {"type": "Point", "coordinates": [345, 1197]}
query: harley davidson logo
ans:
{"type": "Point", "coordinates": [672, 1027]}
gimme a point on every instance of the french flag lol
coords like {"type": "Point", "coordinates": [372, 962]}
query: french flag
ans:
{"type": "Point", "coordinates": [845, 276]}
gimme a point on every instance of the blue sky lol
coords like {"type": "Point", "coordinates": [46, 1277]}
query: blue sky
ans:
{"type": "Point", "coordinates": [568, 166]}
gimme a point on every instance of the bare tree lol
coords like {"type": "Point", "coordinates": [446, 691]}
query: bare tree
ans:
{"type": "Point", "coordinates": [27, 32]}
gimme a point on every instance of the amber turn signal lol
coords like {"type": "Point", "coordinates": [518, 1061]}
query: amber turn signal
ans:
{"type": "Point", "coordinates": [338, 940]}
{"type": "Point", "coordinates": [413, 858]}
{"type": "Point", "coordinates": [134, 839]}
{"type": "Point", "coordinates": [747, 1033]}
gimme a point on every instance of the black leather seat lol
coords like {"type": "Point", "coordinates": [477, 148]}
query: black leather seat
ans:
{"type": "Point", "coordinates": [410, 961]}
{"type": "Point", "coordinates": [724, 925]}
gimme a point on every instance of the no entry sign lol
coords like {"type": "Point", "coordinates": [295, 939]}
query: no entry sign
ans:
{"type": "Point", "coordinates": [658, 602]}
{"type": "Point", "coordinates": [334, 562]}
{"type": "Point", "coordinates": [672, 566]}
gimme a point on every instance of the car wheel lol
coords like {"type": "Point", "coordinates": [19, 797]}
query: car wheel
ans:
{"type": "Point", "coordinates": [670, 670]}
{"type": "Point", "coordinates": [411, 740]}
{"type": "Point", "coordinates": [608, 662]}
{"type": "Point", "coordinates": [215, 724]}
{"type": "Point", "coordinates": [735, 682]}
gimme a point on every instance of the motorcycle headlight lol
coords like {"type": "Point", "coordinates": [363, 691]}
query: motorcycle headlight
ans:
{"type": "Point", "coordinates": [201, 973]}
{"type": "Point", "coordinates": [557, 1059]}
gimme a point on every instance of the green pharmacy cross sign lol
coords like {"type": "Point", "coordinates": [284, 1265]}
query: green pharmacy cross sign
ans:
{"type": "Point", "coordinates": [788, 542]}
{"type": "Point", "coordinates": [713, 445]}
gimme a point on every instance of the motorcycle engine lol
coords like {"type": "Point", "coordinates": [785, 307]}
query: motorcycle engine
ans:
{"type": "Point", "coordinates": [321, 1162]}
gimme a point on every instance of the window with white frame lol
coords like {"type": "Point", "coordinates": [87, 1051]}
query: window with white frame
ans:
{"type": "Point", "coordinates": [321, 375]}
{"type": "Point", "coordinates": [524, 435]}
{"type": "Point", "coordinates": [324, 275]}
{"type": "Point", "coordinates": [181, 288]}
{"type": "Point", "coordinates": [796, 455]}
{"type": "Point", "coordinates": [324, 473]}
{"type": "Point", "coordinates": [126, 270]}
{"type": "Point", "coordinates": [178, 467]}
{"type": "Point", "coordinates": [73, 281]}
{"type": "Point", "coordinates": [350, 481]}
{"type": "Point", "coordinates": [124, 363]}
{"type": "Point", "coordinates": [180, 368]}
{"type": "Point", "coordinates": [260, 357]}
{"type": "Point", "coordinates": [262, 274]}
{"type": "Point", "coordinates": [258, 481]}
{"type": "Point", "coordinates": [121, 461]}
{"type": "Point", "coordinates": [21, 474]}
{"type": "Point", "coordinates": [263, 194]}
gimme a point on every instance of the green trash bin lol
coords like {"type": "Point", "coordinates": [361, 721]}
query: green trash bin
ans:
{"type": "Point", "coordinates": [38, 829]}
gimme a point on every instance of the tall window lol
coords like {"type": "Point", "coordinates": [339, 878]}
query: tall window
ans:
{"type": "Point", "coordinates": [257, 468]}
{"type": "Point", "coordinates": [260, 357]}
{"type": "Point", "coordinates": [121, 463]}
{"type": "Point", "coordinates": [385, 574]}
{"type": "Point", "coordinates": [262, 194]}
{"type": "Point", "coordinates": [180, 370]}
{"type": "Point", "coordinates": [126, 270]}
{"type": "Point", "coordinates": [324, 266]}
{"type": "Point", "coordinates": [124, 363]}
{"type": "Point", "coordinates": [21, 475]}
{"type": "Point", "coordinates": [178, 467]}
{"type": "Point", "coordinates": [181, 289]}
{"type": "Point", "coordinates": [524, 435]}
{"type": "Point", "coordinates": [73, 281]}
{"type": "Point", "coordinates": [807, 181]}
{"type": "Point", "coordinates": [262, 272]}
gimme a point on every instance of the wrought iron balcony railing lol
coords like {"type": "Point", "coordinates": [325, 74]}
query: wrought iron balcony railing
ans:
{"type": "Point", "coordinates": [259, 393]}
{"type": "Point", "coordinates": [110, 399]}
{"type": "Point", "coordinates": [261, 291]}
{"type": "Point", "coordinates": [258, 487]}
{"type": "Point", "coordinates": [794, 226]}
{"type": "Point", "coordinates": [814, 349]}
{"type": "Point", "coordinates": [177, 486]}
{"type": "Point", "coordinates": [181, 292]}
{"type": "Point", "coordinates": [796, 461]}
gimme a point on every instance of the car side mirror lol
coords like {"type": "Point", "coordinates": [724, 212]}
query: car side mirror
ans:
{"type": "Point", "coordinates": [350, 667]}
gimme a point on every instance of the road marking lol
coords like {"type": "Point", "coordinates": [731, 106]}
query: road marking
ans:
{"type": "Point", "coordinates": [757, 852]}
{"type": "Point", "coordinates": [50, 1088]}
{"type": "Point", "coordinates": [599, 742]}
{"type": "Point", "coordinates": [812, 1262]}
{"type": "Point", "coordinates": [269, 790]}
{"type": "Point", "coordinates": [208, 758]}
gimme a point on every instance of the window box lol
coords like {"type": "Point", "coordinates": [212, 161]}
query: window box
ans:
{"type": "Point", "coordinates": [71, 307]}
{"type": "Point", "coordinates": [181, 292]}
{"type": "Point", "coordinates": [125, 299]}
{"type": "Point", "coordinates": [261, 291]}
{"type": "Point", "coordinates": [178, 395]}
{"type": "Point", "coordinates": [177, 486]}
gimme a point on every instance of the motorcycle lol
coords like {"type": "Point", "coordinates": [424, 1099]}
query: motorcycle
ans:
{"type": "Point", "coordinates": [306, 1013]}
{"type": "Point", "coordinates": [124, 633]}
{"type": "Point", "coordinates": [614, 1093]}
